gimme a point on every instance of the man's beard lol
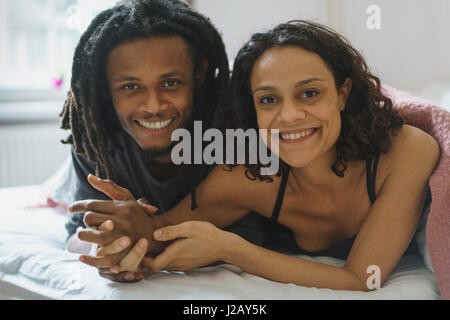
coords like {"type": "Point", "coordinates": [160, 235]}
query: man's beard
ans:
{"type": "Point", "coordinates": [149, 154]}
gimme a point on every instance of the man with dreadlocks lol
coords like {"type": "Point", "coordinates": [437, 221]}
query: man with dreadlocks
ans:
{"type": "Point", "coordinates": [141, 70]}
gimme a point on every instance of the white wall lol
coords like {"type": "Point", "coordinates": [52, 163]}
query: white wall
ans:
{"type": "Point", "coordinates": [30, 153]}
{"type": "Point", "coordinates": [412, 48]}
{"type": "Point", "coordinates": [411, 51]}
{"type": "Point", "coordinates": [237, 20]}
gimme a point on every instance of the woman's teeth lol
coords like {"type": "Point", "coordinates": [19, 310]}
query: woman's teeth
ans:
{"type": "Point", "coordinates": [154, 124]}
{"type": "Point", "coordinates": [294, 136]}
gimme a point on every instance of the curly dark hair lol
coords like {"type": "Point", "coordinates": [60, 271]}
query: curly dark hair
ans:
{"type": "Point", "coordinates": [368, 118]}
{"type": "Point", "coordinates": [88, 111]}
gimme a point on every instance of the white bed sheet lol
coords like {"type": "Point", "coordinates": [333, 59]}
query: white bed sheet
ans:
{"type": "Point", "coordinates": [34, 265]}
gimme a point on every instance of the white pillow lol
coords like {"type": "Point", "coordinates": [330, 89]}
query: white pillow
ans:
{"type": "Point", "coordinates": [420, 237]}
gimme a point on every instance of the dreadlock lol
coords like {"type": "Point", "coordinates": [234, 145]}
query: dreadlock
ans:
{"type": "Point", "coordinates": [88, 110]}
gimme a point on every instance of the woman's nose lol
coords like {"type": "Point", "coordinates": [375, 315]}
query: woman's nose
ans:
{"type": "Point", "coordinates": [290, 112]}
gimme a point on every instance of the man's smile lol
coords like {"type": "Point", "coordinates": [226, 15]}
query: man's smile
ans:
{"type": "Point", "coordinates": [155, 127]}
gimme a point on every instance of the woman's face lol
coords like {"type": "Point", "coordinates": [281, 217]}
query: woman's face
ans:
{"type": "Point", "coordinates": [294, 91]}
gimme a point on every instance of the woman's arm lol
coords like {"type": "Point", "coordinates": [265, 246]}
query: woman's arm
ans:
{"type": "Point", "coordinates": [393, 218]}
{"type": "Point", "coordinates": [200, 244]}
{"type": "Point", "coordinates": [384, 235]}
{"type": "Point", "coordinates": [382, 240]}
{"type": "Point", "coordinates": [222, 198]}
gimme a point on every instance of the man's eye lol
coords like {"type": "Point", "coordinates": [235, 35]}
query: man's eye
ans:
{"type": "Point", "coordinates": [171, 83]}
{"type": "Point", "coordinates": [309, 94]}
{"type": "Point", "coordinates": [267, 100]}
{"type": "Point", "coordinates": [130, 86]}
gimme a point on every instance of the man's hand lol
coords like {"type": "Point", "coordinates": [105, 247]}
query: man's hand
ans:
{"type": "Point", "coordinates": [110, 266]}
{"type": "Point", "coordinates": [130, 265]}
{"type": "Point", "coordinates": [110, 262]}
{"type": "Point", "coordinates": [129, 218]}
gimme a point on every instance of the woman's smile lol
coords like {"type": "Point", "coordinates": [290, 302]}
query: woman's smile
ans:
{"type": "Point", "coordinates": [299, 135]}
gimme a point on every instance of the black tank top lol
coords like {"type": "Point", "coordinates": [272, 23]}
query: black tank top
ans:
{"type": "Point", "coordinates": [281, 239]}
{"type": "Point", "coordinates": [278, 235]}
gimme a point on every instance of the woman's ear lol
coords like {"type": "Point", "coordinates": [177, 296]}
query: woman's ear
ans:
{"type": "Point", "coordinates": [344, 92]}
{"type": "Point", "coordinates": [201, 73]}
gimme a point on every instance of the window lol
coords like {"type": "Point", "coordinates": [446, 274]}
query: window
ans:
{"type": "Point", "coordinates": [37, 41]}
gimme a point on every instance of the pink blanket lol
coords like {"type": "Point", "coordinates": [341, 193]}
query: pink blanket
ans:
{"type": "Point", "coordinates": [435, 121]}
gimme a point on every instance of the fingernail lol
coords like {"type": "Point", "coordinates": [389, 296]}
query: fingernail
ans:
{"type": "Point", "coordinates": [109, 225]}
{"type": "Point", "coordinates": [142, 244]}
{"type": "Point", "coordinates": [123, 242]}
{"type": "Point", "coordinates": [114, 270]}
{"type": "Point", "coordinates": [157, 234]}
{"type": "Point", "coordinates": [129, 276]}
{"type": "Point", "coordinates": [82, 258]}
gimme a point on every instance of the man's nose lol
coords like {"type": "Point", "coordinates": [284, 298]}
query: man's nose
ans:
{"type": "Point", "coordinates": [153, 102]}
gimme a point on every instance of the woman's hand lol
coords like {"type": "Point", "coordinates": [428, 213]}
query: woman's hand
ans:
{"type": "Point", "coordinates": [197, 244]}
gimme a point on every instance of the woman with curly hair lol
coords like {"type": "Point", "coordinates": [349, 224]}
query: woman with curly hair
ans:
{"type": "Point", "coordinates": [353, 179]}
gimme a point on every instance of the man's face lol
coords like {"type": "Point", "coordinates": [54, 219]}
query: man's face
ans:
{"type": "Point", "coordinates": [151, 82]}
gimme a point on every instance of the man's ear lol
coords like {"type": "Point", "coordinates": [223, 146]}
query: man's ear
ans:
{"type": "Point", "coordinates": [201, 73]}
{"type": "Point", "coordinates": [344, 92]}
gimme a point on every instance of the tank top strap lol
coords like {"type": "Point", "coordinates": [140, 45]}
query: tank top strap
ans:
{"type": "Point", "coordinates": [371, 173]}
{"type": "Point", "coordinates": [277, 207]}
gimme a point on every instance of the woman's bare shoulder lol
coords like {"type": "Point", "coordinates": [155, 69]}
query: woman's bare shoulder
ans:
{"type": "Point", "coordinates": [412, 149]}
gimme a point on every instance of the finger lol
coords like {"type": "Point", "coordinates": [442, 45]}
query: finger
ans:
{"type": "Point", "coordinates": [109, 188]}
{"type": "Point", "coordinates": [149, 263]}
{"type": "Point", "coordinates": [134, 258]}
{"type": "Point", "coordinates": [122, 277]}
{"type": "Point", "coordinates": [114, 247]}
{"type": "Point", "coordinates": [107, 226]}
{"type": "Point", "coordinates": [101, 262]}
{"type": "Point", "coordinates": [182, 230]}
{"type": "Point", "coordinates": [92, 218]}
{"type": "Point", "coordinates": [103, 206]}
{"type": "Point", "coordinates": [143, 201]}
{"type": "Point", "coordinates": [96, 236]}
{"type": "Point", "coordinates": [150, 209]}
{"type": "Point", "coordinates": [162, 260]}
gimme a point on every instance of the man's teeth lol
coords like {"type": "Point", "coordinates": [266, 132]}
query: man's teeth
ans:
{"type": "Point", "coordinates": [293, 136]}
{"type": "Point", "coordinates": [155, 124]}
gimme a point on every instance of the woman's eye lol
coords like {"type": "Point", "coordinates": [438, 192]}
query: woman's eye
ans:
{"type": "Point", "coordinates": [309, 93]}
{"type": "Point", "coordinates": [267, 100]}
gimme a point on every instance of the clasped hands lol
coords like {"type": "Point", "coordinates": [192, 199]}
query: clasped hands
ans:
{"type": "Point", "coordinates": [129, 236]}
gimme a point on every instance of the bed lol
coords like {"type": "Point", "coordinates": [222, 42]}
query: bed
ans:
{"type": "Point", "coordinates": [35, 265]}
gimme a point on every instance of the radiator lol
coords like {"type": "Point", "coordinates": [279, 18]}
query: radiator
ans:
{"type": "Point", "coordinates": [30, 153]}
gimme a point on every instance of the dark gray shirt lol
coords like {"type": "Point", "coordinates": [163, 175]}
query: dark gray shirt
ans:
{"type": "Point", "coordinates": [130, 172]}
